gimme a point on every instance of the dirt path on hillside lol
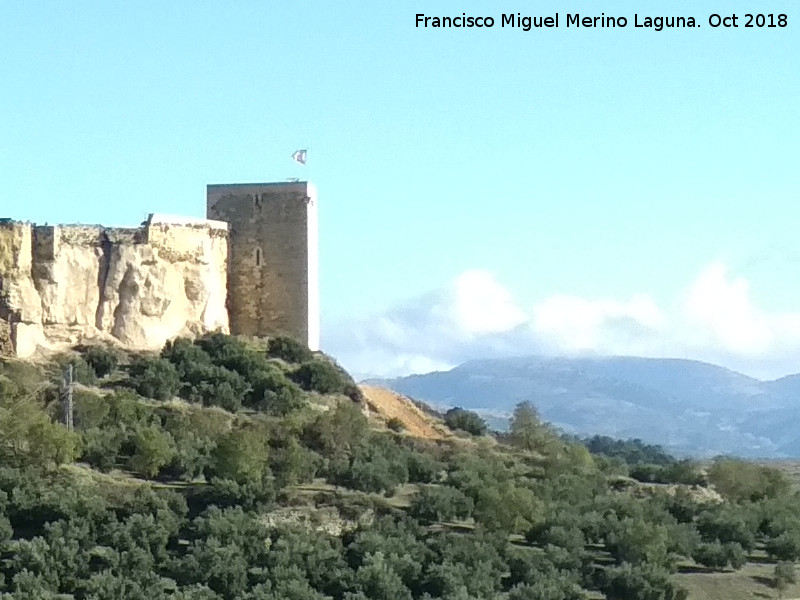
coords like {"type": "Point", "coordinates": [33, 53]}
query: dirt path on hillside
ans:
{"type": "Point", "coordinates": [389, 404]}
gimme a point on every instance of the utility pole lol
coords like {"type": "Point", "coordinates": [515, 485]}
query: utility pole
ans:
{"type": "Point", "coordinates": [68, 385]}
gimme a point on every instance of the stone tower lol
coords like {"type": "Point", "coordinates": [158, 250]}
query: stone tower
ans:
{"type": "Point", "coordinates": [273, 268]}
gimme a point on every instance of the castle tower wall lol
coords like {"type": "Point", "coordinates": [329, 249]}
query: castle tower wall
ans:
{"type": "Point", "coordinates": [273, 272]}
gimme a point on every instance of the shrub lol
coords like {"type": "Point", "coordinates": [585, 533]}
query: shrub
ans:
{"type": "Point", "coordinates": [423, 467]}
{"type": "Point", "coordinates": [682, 505]}
{"type": "Point", "coordinates": [81, 371]}
{"type": "Point", "coordinates": [736, 555]}
{"type": "Point", "coordinates": [440, 503]}
{"type": "Point", "coordinates": [739, 480]}
{"type": "Point", "coordinates": [646, 473]}
{"type": "Point", "coordinates": [191, 458]}
{"type": "Point", "coordinates": [320, 376]}
{"type": "Point", "coordinates": [683, 538]}
{"type": "Point", "coordinates": [395, 424]}
{"type": "Point", "coordinates": [213, 385]}
{"type": "Point", "coordinates": [247, 364]}
{"type": "Point", "coordinates": [208, 423]}
{"type": "Point", "coordinates": [155, 377]}
{"type": "Point", "coordinates": [28, 436]}
{"type": "Point", "coordinates": [8, 389]}
{"type": "Point", "coordinates": [784, 547]}
{"type": "Point", "coordinates": [639, 582]}
{"type": "Point", "coordinates": [101, 359]}
{"type": "Point", "coordinates": [195, 433]}
{"type": "Point", "coordinates": [289, 349]}
{"type": "Point", "coordinates": [225, 493]}
{"type": "Point", "coordinates": [636, 540]}
{"type": "Point", "coordinates": [221, 347]}
{"type": "Point", "coordinates": [633, 452]}
{"type": "Point", "coordinates": [337, 431]}
{"type": "Point", "coordinates": [713, 555]}
{"type": "Point", "coordinates": [379, 465]}
{"type": "Point", "coordinates": [153, 448]}
{"type": "Point", "coordinates": [126, 411]}
{"type": "Point", "coordinates": [50, 443]}
{"type": "Point", "coordinates": [784, 575]}
{"type": "Point", "coordinates": [506, 507]}
{"type": "Point", "coordinates": [568, 537]}
{"type": "Point", "coordinates": [101, 447]}
{"type": "Point", "coordinates": [368, 473]}
{"type": "Point", "coordinates": [20, 377]}
{"type": "Point", "coordinates": [185, 355]}
{"type": "Point", "coordinates": [291, 463]}
{"type": "Point", "coordinates": [526, 429]}
{"type": "Point", "coordinates": [730, 523]}
{"type": "Point", "coordinates": [352, 391]}
{"type": "Point", "coordinates": [232, 354]}
{"type": "Point", "coordinates": [90, 410]}
{"type": "Point", "coordinates": [272, 392]}
{"type": "Point", "coordinates": [241, 455]}
{"type": "Point", "coordinates": [465, 420]}
{"type": "Point", "coordinates": [685, 472]}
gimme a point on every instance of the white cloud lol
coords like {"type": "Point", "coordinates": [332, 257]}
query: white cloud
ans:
{"type": "Point", "coordinates": [577, 324]}
{"type": "Point", "coordinates": [482, 306]}
{"type": "Point", "coordinates": [477, 317]}
{"type": "Point", "coordinates": [721, 324]}
{"type": "Point", "coordinates": [720, 307]}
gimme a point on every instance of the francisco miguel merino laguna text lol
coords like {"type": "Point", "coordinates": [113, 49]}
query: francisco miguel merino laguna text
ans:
{"type": "Point", "coordinates": [572, 20]}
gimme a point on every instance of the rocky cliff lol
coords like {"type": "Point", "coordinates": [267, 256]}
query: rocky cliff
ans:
{"type": "Point", "coordinates": [64, 284]}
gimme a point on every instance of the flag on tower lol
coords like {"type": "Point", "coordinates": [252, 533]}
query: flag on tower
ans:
{"type": "Point", "coordinates": [300, 156]}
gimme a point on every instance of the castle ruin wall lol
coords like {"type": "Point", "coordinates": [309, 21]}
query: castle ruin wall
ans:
{"type": "Point", "coordinates": [64, 284]}
{"type": "Point", "coordinates": [251, 268]}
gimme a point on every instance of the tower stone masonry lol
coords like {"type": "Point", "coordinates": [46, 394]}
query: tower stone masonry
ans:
{"type": "Point", "coordinates": [273, 257]}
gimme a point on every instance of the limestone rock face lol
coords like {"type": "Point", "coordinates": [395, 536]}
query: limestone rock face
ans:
{"type": "Point", "coordinates": [61, 285]}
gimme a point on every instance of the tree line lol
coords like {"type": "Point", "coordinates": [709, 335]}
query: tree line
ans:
{"type": "Point", "coordinates": [186, 471]}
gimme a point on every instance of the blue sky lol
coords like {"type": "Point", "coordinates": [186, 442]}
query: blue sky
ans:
{"type": "Point", "coordinates": [608, 190]}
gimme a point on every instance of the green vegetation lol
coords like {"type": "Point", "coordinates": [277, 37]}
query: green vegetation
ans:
{"type": "Point", "coordinates": [526, 429]}
{"type": "Point", "coordinates": [645, 462]}
{"type": "Point", "coordinates": [632, 452]}
{"type": "Point", "coordinates": [155, 378]}
{"type": "Point", "coordinates": [318, 375]}
{"type": "Point", "coordinates": [465, 420]}
{"type": "Point", "coordinates": [225, 469]}
{"type": "Point", "coordinates": [395, 424]}
{"type": "Point", "coordinates": [288, 349]}
{"type": "Point", "coordinates": [101, 359]}
{"type": "Point", "coordinates": [784, 575]}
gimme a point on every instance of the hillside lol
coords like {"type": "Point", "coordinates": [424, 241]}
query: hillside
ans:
{"type": "Point", "coordinates": [390, 405]}
{"type": "Point", "coordinates": [228, 468]}
{"type": "Point", "coordinates": [690, 407]}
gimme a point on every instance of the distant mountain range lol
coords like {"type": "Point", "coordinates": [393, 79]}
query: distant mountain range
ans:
{"type": "Point", "coordinates": [689, 407]}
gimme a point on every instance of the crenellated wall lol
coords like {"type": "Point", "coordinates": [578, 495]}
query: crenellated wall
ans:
{"type": "Point", "coordinates": [63, 284]}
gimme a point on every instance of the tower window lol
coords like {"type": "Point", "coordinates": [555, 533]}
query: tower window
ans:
{"type": "Point", "coordinates": [256, 201]}
{"type": "Point", "coordinates": [258, 257]}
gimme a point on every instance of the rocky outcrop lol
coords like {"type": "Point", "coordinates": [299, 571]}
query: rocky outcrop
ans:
{"type": "Point", "coordinates": [65, 284]}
